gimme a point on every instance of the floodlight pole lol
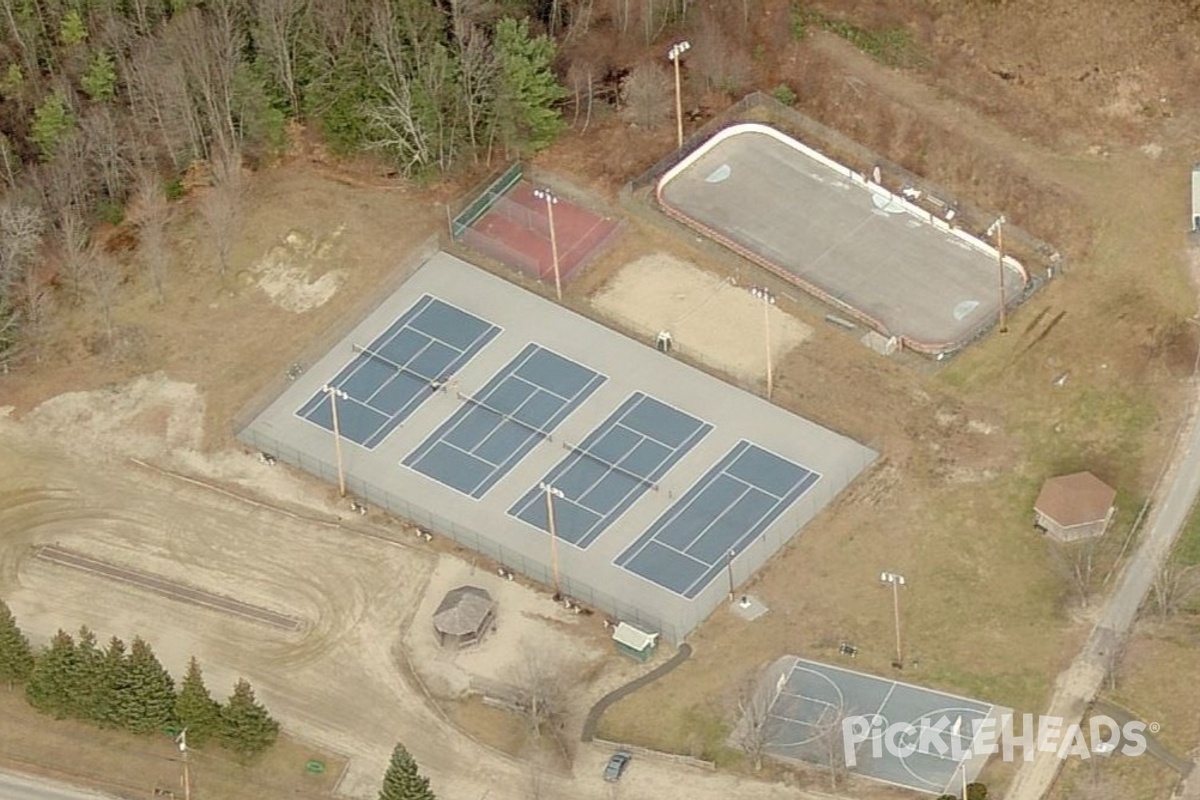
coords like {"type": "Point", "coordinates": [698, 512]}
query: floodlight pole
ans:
{"type": "Point", "coordinates": [729, 568]}
{"type": "Point", "coordinates": [998, 229]}
{"type": "Point", "coordinates": [551, 493]}
{"type": "Point", "coordinates": [674, 54]}
{"type": "Point", "coordinates": [551, 201]}
{"type": "Point", "coordinates": [334, 395]}
{"type": "Point", "coordinates": [896, 581]}
{"type": "Point", "coordinates": [187, 777]}
{"type": "Point", "coordinates": [768, 300]}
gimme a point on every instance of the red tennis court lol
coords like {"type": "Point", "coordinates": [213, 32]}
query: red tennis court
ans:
{"type": "Point", "coordinates": [516, 231]}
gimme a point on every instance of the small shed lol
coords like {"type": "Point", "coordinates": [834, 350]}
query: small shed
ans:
{"type": "Point", "coordinates": [464, 616]}
{"type": "Point", "coordinates": [637, 644]}
{"type": "Point", "coordinates": [1074, 507]}
{"type": "Point", "coordinates": [1195, 198]}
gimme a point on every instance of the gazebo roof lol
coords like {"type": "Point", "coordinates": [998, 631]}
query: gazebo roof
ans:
{"type": "Point", "coordinates": [463, 610]}
{"type": "Point", "coordinates": [1077, 499]}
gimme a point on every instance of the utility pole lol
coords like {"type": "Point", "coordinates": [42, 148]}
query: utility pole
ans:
{"type": "Point", "coordinates": [551, 493]}
{"type": "Point", "coordinates": [551, 201]}
{"type": "Point", "coordinates": [674, 54]}
{"type": "Point", "coordinates": [997, 230]}
{"type": "Point", "coordinates": [896, 581]}
{"type": "Point", "coordinates": [768, 300]}
{"type": "Point", "coordinates": [334, 395]}
{"type": "Point", "coordinates": [187, 775]}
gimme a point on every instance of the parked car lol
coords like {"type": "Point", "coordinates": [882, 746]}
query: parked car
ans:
{"type": "Point", "coordinates": [616, 766]}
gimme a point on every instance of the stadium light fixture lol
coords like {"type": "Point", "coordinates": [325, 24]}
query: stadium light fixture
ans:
{"type": "Point", "coordinates": [551, 493]}
{"type": "Point", "coordinates": [729, 567]}
{"type": "Point", "coordinates": [768, 299]}
{"type": "Point", "coordinates": [997, 229]}
{"type": "Point", "coordinates": [551, 200]}
{"type": "Point", "coordinates": [896, 580]}
{"type": "Point", "coordinates": [674, 54]}
{"type": "Point", "coordinates": [334, 394]}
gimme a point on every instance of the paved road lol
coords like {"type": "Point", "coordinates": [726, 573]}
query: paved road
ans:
{"type": "Point", "coordinates": [1081, 683]}
{"type": "Point", "coordinates": [23, 787]}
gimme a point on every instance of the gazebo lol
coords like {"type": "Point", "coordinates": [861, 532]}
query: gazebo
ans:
{"type": "Point", "coordinates": [1074, 507]}
{"type": "Point", "coordinates": [464, 616]}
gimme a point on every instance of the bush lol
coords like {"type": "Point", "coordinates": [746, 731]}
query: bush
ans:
{"type": "Point", "coordinates": [784, 94]}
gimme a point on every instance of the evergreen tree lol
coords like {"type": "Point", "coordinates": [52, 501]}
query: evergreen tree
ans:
{"type": "Point", "coordinates": [87, 678]}
{"type": "Point", "coordinates": [530, 91]}
{"type": "Point", "coordinates": [403, 781]}
{"type": "Point", "coordinates": [16, 656]}
{"type": "Point", "coordinates": [52, 121]}
{"type": "Point", "coordinates": [49, 688]}
{"type": "Point", "coordinates": [147, 704]}
{"type": "Point", "coordinates": [100, 80]}
{"type": "Point", "coordinates": [195, 709]}
{"type": "Point", "coordinates": [114, 684]}
{"type": "Point", "coordinates": [247, 728]}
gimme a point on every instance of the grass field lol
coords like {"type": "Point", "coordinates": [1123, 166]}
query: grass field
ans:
{"type": "Point", "coordinates": [122, 763]}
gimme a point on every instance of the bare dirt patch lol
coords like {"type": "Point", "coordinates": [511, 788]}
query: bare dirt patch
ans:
{"type": "Point", "coordinates": [298, 273]}
{"type": "Point", "coordinates": [710, 318]}
{"type": "Point", "coordinates": [526, 621]}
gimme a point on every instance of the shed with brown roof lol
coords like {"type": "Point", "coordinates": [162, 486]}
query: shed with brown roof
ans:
{"type": "Point", "coordinates": [1074, 507]}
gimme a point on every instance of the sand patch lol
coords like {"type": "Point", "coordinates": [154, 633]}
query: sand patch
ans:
{"type": "Point", "coordinates": [286, 271]}
{"type": "Point", "coordinates": [710, 319]}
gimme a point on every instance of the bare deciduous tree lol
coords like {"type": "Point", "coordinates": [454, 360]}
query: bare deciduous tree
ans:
{"type": "Point", "coordinates": [1076, 562]}
{"type": "Point", "coordinates": [719, 62]}
{"type": "Point", "coordinates": [543, 683]}
{"type": "Point", "coordinates": [221, 209]}
{"type": "Point", "coordinates": [74, 242]}
{"type": "Point", "coordinates": [647, 95]}
{"type": "Point", "coordinates": [153, 214]}
{"type": "Point", "coordinates": [477, 79]}
{"type": "Point", "coordinates": [750, 732]}
{"type": "Point", "coordinates": [279, 25]}
{"type": "Point", "coordinates": [831, 740]}
{"type": "Point", "coordinates": [1174, 587]}
{"type": "Point", "coordinates": [103, 279]}
{"type": "Point", "coordinates": [106, 148]}
{"type": "Point", "coordinates": [581, 80]}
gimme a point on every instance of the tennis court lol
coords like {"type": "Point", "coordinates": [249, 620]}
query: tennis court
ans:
{"type": "Point", "coordinates": [516, 409]}
{"type": "Point", "coordinates": [387, 380]}
{"type": "Point", "coordinates": [528, 393]}
{"type": "Point", "coordinates": [719, 516]}
{"type": "Point", "coordinates": [932, 741]}
{"type": "Point", "coordinates": [615, 465]}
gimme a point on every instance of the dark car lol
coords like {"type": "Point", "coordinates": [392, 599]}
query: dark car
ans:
{"type": "Point", "coordinates": [616, 766]}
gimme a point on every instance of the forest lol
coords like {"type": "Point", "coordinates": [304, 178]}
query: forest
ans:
{"type": "Point", "coordinates": [108, 103]}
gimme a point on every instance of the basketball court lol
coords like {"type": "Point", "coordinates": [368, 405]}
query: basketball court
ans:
{"type": "Point", "coordinates": [810, 701]}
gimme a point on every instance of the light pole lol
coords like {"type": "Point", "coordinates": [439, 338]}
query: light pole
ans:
{"type": "Point", "coordinates": [552, 493]}
{"type": "Point", "coordinates": [768, 299]}
{"type": "Point", "coordinates": [729, 568]}
{"type": "Point", "coordinates": [334, 395]}
{"type": "Point", "coordinates": [967, 754]}
{"type": "Point", "coordinates": [896, 581]}
{"type": "Point", "coordinates": [997, 230]}
{"type": "Point", "coordinates": [187, 777]}
{"type": "Point", "coordinates": [551, 201]}
{"type": "Point", "coordinates": [674, 54]}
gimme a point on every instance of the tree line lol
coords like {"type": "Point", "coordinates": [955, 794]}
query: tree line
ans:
{"type": "Point", "coordinates": [105, 103]}
{"type": "Point", "coordinates": [122, 687]}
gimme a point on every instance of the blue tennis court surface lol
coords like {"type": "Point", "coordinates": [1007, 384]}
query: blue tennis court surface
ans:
{"type": "Point", "coordinates": [718, 517]}
{"type": "Point", "coordinates": [522, 404]}
{"type": "Point", "coordinates": [614, 466]}
{"type": "Point", "coordinates": [388, 379]}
